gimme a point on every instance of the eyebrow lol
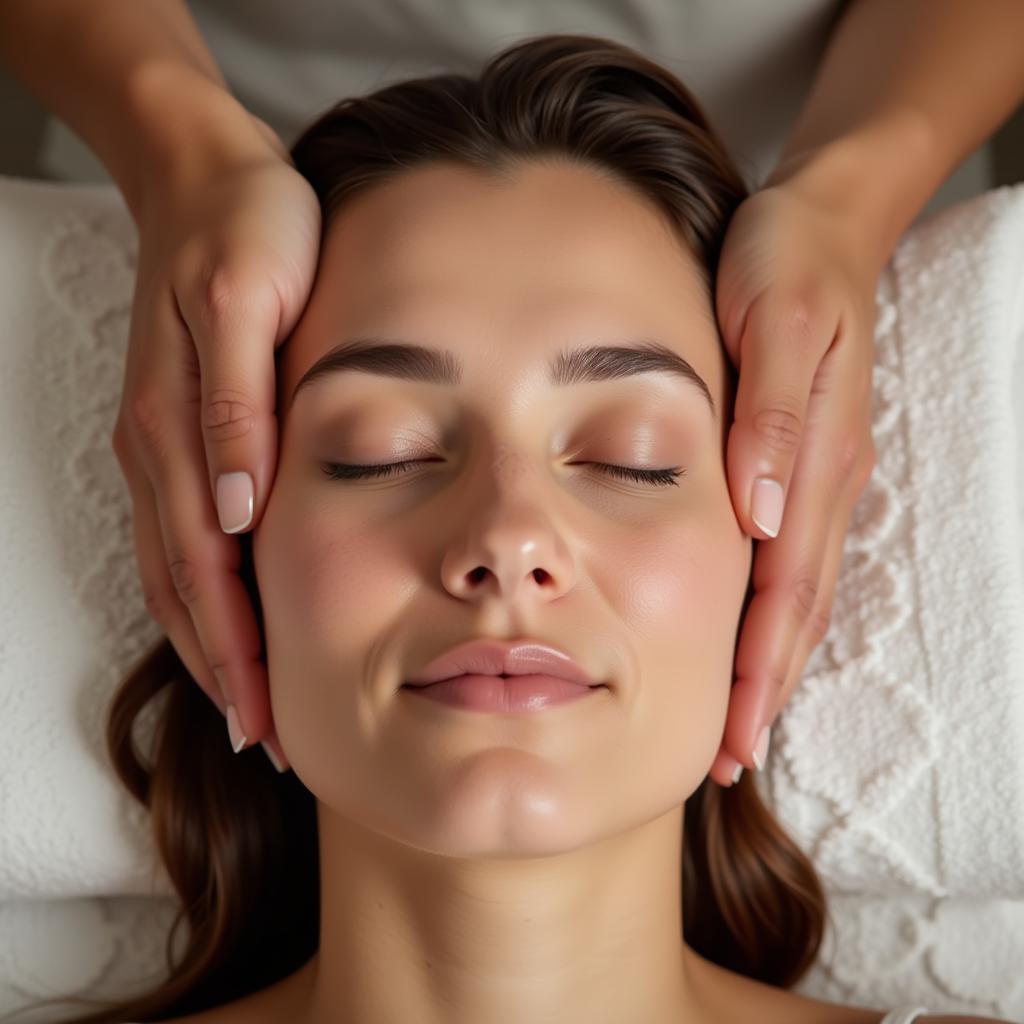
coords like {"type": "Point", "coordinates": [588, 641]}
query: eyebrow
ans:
{"type": "Point", "coordinates": [391, 358]}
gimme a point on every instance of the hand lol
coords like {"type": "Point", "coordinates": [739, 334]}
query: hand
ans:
{"type": "Point", "coordinates": [228, 248]}
{"type": "Point", "coordinates": [795, 303]}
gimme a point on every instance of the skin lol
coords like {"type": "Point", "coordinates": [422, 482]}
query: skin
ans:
{"type": "Point", "coordinates": [485, 867]}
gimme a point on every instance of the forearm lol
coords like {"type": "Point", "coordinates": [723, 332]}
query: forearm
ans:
{"type": "Point", "coordinates": [905, 91]}
{"type": "Point", "coordinates": [133, 78]}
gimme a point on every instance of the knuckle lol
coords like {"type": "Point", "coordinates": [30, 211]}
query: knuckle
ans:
{"type": "Point", "coordinates": [848, 456]}
{"type": "Point", "coordinates": [819, 621]}
{"type": "Point", "coordinates": [778, 428]}
{"type": "Point", "coordinates": [869, 460]}
{"type": "Point", "coordinates": [158, 603]}
{"type": "Point", "coordinates": [185, 577]}
{"type": "Point", "coordinates": [218, 664]}
{"type": "Point", "coordinates": [863, 466]}
{"type": "Point", "coordinates": [227, 414]}
{"type": "Point", "coordinates": [222, 288]}
{"type": "Point", "coordinates": [804, 594]}
{"type": "Point", "coordinates": [802, 311]}
{"type": "Point", "coordinates": [777, 681]}
{"type": "Point", "coordinates": [798, 318]}
{"type": "Point", "coordinates": [119, 444]}
{"type": "Point", "coordinates": [148, 421]}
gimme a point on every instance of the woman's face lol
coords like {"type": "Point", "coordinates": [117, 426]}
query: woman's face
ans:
{"type": "Point", "coordinates": [364, 581]}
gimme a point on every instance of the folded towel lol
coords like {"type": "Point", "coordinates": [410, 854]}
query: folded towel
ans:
{"type": "Point", "coordinates": [72, 617]}
{"type": "Point", "coordinates": [895, 762]}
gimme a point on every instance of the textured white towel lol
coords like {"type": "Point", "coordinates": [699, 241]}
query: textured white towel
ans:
{"type": "Point", "coordinates": [72, 619]}
{"type": "Point", "coordinates": [896, 762]}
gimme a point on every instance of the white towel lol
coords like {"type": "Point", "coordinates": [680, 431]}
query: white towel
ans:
{"type": "Point", "coordinates": [72, 619]}
{"type": "Point", "coordinates": [896, 762]}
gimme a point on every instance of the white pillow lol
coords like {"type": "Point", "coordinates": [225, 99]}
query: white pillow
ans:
{"type": "Point", "coordinates": [898, 771]}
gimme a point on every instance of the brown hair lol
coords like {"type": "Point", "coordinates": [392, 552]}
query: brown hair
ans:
{"type": "Point", "coordinates": [227, 826]}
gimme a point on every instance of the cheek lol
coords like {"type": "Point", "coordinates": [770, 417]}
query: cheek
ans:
{"type": "Point", "coordinates": [677, 586]}
{"type": "Point", "coordinates": [681, 585]}
{"type": "Point", "coordinates": [327, 588]}
{"type": "Point", "coordinates": [343, 579]}
{"type": "Point", "coordinates": [679, 589]}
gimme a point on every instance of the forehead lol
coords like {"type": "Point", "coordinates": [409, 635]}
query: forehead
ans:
{"type": "Point", "coordinates": [512, 266]}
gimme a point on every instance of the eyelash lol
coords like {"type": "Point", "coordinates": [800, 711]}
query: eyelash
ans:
{"type": "Point", "coordinates": [656, 477]}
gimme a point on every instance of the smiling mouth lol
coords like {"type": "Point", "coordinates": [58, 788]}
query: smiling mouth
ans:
{"type": "Point", "coordinates": [500, 675]}
{"type": "Point", "coordinates": [418, 686]}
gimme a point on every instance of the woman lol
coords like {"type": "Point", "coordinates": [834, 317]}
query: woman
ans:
{"type": "Point", "coordinates": [228, 233]}
{"type": "Point", "coordinates": [503, 419]}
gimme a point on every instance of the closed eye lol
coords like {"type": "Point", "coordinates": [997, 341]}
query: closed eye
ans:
{"type": "Point", "coordinates": [346, 471]}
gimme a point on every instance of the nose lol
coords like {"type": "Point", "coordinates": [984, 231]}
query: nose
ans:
{"type": "Point", "coordinates": [510, 548]}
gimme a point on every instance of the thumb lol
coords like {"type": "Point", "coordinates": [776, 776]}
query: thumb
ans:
{"type": "Point", "coordinates": [779, 352]}
{"type": "Point", "coordinates": [235, 342]}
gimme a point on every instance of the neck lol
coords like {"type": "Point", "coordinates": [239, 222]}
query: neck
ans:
{"type": "Point", "coordinates": [594, 934]}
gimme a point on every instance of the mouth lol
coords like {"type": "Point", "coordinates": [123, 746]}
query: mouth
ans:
{"type": "Point", "coordinates": [506, 693]}
{"type": "Point", "coordinates": [498, 675]}
{"type": "Point", "coordinates": [490, 658]}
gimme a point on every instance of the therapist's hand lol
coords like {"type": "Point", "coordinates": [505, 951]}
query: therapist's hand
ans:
{"type": "Point", "coordinates": [795, 304]}
{"type": "Point", "coordinates": [228, 248]}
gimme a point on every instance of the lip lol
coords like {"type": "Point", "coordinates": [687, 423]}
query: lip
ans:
{"type": "Point", "coordinates": [487, 657]}
{"type": "Point", "coordinates": [516, 694]}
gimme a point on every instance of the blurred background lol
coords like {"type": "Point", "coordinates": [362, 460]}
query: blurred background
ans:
{"type": "Point", "coordinates": [29, 132]}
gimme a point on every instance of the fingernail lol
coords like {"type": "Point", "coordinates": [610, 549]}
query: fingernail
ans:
{"type": "Point", "coordinates": [234, 501]}
{"type": "Point", "coordinates": [736, 774]}
{"type": "Point", "coordinates": [268, 750]}
{"type": "Point", "coordinates": [766, 504]}
{"type": "Point", "coordinates": [761, 747]}
{"type": "Point", "coordinates": [235, 733]}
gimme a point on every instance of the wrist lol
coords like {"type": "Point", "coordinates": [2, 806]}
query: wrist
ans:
{"type": "Point", "coordinates": [874, 180]}
{"type": "Point", "coordinates": [188, 129]}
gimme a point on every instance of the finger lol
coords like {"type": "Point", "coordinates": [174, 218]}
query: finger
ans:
{"type": "Point", "coordinates": [234, 327]}
{"type": "Point", "coordinates": [818, 622]}
{"type": "Point", "coordinates": [162, 601]}
{"type": "Point", "coordinates": [202, 560]}
{"type": "Point", "coordinates": [724, 766]}
{"type": "Point", "coordinates": [164, 605]}
{"type": "Point", "coordinates": [166, 608]}
{"type": "Point", "coordinates": [783, 342]}
{"type": "Point", "coordinates": [787, 570]}
{"type": "Point", "coordinates": [814, 629]}
{"type": "Point", "coordinates": [272, 745]}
